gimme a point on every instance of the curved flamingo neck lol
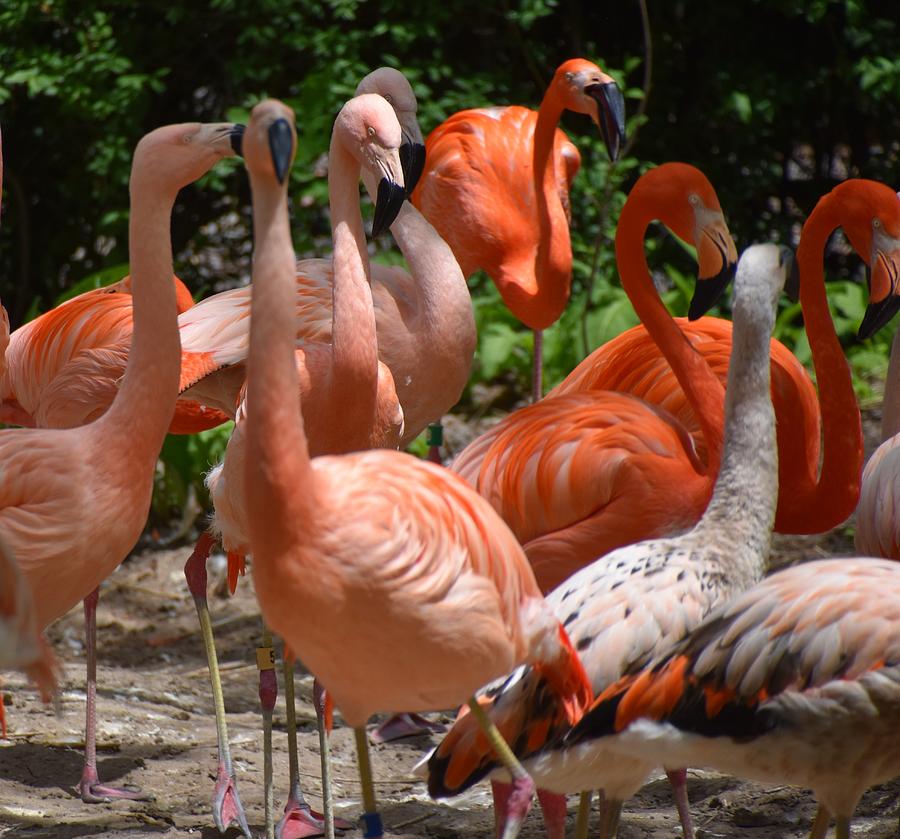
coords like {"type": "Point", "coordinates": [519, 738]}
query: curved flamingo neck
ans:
{"type": "Point", "coordinates": [277, 453]}
{"type": "Point", "coordinates": [554, 247]}
{"type": "Point", "coordinates": [834, 496]}
{"type": "Point", "coordinates": [353, 337]}
{"type": "Point", "coordinates": [145, 403]}
{"type": "Point", "coordinates": [701, 386]}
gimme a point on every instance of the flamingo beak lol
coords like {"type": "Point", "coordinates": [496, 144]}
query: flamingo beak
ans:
{"type": "Point", "coordinates": [388, 202]}
{"type": "Point", "coordinates": [412, 159]}
{"type": "Point", "coordinates": [884, 291]}
{"type": "Point", "coordinates": [718, 261]}
{"type": "Point", "coordinates": [610, 115]}
{"type": "Point", "coordinates": [281, 147]}
{"type": "Point", "coordinates": [236, 135]}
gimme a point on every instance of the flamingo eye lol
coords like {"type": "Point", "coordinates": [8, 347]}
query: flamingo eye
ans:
{"type": "Point", "coordinates": [876, 223]}
{"type": "Point", "coordinates": [388, 97]}
{"type": "Point", "coordinates": [694, 200]}
{"type": "Point", "coordinates": [371, 131]}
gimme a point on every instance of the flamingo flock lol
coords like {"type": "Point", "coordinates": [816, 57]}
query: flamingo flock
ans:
{"type": "Point", "coordinates": [587, 582]}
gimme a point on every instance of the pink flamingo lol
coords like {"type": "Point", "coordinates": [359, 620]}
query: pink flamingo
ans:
{"type": "Point", "coordinates": [414, 592]}
{"type": "Point", "coordinates": [796, 681]}
{"type": "Point", "coordinates": [633, 604]}
{"type": "Point", "coordinates": [424, 320]}
{"type": "Point", "coordinates": [506, 173]}
{"type": "Point", "coordinates": [53, 477]}
{"type": "Point", "coordinates": [63, 366]}
{"type": "Point", "coordinates": [349, 403]}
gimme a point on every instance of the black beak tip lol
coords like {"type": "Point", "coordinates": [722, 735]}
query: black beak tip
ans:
{"type": "Point", "coordinates": [610, 115]}
{"type": "Point", "coordinates": [388, 202]}
{"type": "Point", "coordinates": [237, 139]}
{"type": "Point", "coordinates": [878, 315]}
{"type": "Point", "coordinates": [412, 159]}
{"type": "Point", "coordinates": [281, 147]}
{"type": "Point", "coordinates": [708, 291]}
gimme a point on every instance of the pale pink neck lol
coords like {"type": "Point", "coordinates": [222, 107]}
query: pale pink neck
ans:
{"type": "Point", "coordinates": [701, 386]}
{"type": "Point", "coordinates": [277, 454]}
{"type": "Point", "coordinates": [890, 410]}
{"type": "Point", "coordinates": [353, 338]}
{"type": "Point", "coordinates": [140, 414]}
{"type": "Point", "coordinates": [836, 492]}
{"type": "Point", "coordinates": [554, 248]}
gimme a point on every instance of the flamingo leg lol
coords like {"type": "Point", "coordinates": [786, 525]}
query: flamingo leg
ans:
{"type": "Point", "coordinates": [523, 786]}
{"type": "Point", "coordinates": [610, 812]}
{"type": "Point", "coordinates": [501, 792]}
{"type": "Point", "coordinates": [268, 693]}
{"type": "Point", "coordinates": [298, 820]}
{"type": "Point", "coordinates": [555, 810]}
{"type": "Point", "coordinates": [678, 780]}
{"type": "Point", "coordinates": [842, 827]}
{"type": "Point", "coordinates": [371, 818]}
{"type": "Point", "coordinates": [92, 791]}
{"type": "Point", "coordinates": [537, 370]}
{"type": "Point", "coordinates": [820, 824]}
{"type": "Point", "coordinates": [583, 820]}
{"type": "Point", "coordinates": [226, 803]}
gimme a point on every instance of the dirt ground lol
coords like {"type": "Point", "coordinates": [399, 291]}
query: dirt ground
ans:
{"type": "Point", "coordinates": [156, 730]}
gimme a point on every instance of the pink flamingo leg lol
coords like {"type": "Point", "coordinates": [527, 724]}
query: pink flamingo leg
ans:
{"type": "Point", "coordinates": [678, 780]}
{"type": "Point", "coordinates": [555, 811]}
{"type": "Point", "coordinates": [92, 791]}
{"type": "Point", "coordinates": [405, 725]}
{"type": "Point", "coordinates": [511, 804]}
{"type": "Point", "coordinates": [501, 791]}
{"type": "Point", "coordinates": [226, 803]}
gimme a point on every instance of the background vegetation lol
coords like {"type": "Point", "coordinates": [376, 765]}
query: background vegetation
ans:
{"type": "Point", "coordinates": [776, 100]}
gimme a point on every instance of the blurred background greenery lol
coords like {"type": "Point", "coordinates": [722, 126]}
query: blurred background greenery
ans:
{"type": "Point", "coordinates": [776, 100]}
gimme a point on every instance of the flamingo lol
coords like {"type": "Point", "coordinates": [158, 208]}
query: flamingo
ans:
{"type": "Point", "coordinates": [507, 172]}
{"type": "Point", "coordinates": [811, 501]}
{"type": "Point", "coordinates": [413, 591]}
{"type": "Point", "coordinates": [63, 366]}
{"type": "Point", "coordinates": [580, 474]}
{"type": "Point", "coordinates": [877, 531]}
{"type": "Point", "coordinates": [633, 604]}
{"type": "Point", "coordinates": [424, 319]}
{"type": "Point", "coordinates": [349, 403]}
{"type": "Point", "coordinates": [74, 501]}
{"type": "Point", "coordinates": [796, 681]}
{"type": "Point", "coordinates": [565, 521]}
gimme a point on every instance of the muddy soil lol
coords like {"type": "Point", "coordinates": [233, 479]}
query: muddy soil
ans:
{"type": "Point", "coordinates": [156, 730]}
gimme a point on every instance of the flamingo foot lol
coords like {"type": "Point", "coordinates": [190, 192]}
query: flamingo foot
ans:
{"type": "Point", "coordinates": [93, 792]}
{"type": "Point", "coordinates": [300, 820]}
{"type": "Point", "coordinates": [405, 725]}
{"type": "Point", "coordinates": [226, 804]}
{"type": "Point", "coordinates": [518, 804]}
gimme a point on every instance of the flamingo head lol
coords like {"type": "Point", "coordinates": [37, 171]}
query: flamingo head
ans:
{"type": "Point", "coordinates": [176, 155]}
{"type": "Point", "coordinates": [270, 141]}
{"type": "Point", "coordinates": [393, 86]}
{"type": "Point", "coordinates": [367, 128]}
{"type": "Point", "coordinates": [870, 216]}
{"type": "Point", "coordinates": [684, 200]}
{"type": "Point", "coordinates": [584, 88]}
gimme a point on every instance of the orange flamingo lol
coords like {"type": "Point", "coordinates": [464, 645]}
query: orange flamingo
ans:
{"type": "Point", "coordinates": [414, 592]}
{"type": "Point", "coordinates": [426, 329]}
{"type": "Point", "coordinates": [349, 403]}
{"type": "Point", "coordinates": [74, 501]}
{"type": "Point", "coordinates": [796, 681]}
{"type": "Point", "coordinates": [566, 521]}
{"type": "Point", "coordinates": [580, 474]}
{"type": "Point", "coordinates": [63, 366]}
{"type": "Point", "coordinates": [811, 501]}
{"type": "Point", "coordinates": [506, 173]}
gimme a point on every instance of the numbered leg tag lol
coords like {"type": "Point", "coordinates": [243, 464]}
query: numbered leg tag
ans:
{"type": "Point", "coordinates": [265, 658]}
